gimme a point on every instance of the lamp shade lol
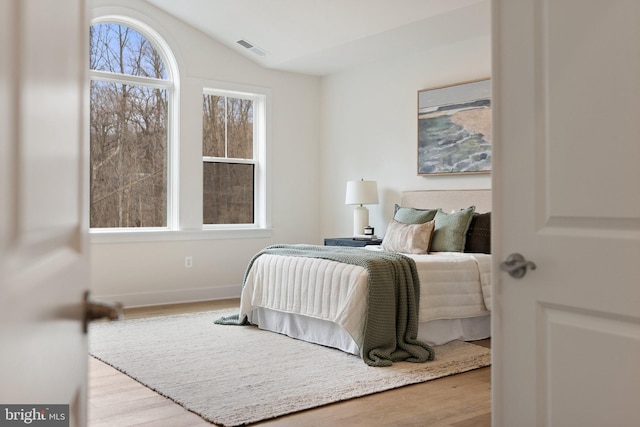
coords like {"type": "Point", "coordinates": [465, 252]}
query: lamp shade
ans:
{"type": "Point", "coordinates": [362, 193]}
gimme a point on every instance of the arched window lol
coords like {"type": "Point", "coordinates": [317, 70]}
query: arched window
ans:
{"type": "Point", "coordinates": [132, 77]}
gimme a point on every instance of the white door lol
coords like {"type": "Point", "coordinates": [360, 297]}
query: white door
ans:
{"type": "Point", "coordinates": [567, 196]}
{"type": "Point", "coordinates": [43, 250]}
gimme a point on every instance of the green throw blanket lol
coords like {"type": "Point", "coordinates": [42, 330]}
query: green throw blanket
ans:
{"type": "Point", "coordinates": [391, 326]}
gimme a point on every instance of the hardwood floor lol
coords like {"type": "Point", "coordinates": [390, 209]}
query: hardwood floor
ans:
{"type": "Point", "coordinates": [462, 400]}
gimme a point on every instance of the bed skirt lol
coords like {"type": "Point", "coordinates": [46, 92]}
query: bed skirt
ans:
{"type": "Point", "coordinates": [330, 334]}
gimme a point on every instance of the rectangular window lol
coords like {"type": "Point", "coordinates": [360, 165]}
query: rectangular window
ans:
{"type": "Point", "coordinates": [230, 164]}
{"type": "Point", "coordinates": [128, 142]}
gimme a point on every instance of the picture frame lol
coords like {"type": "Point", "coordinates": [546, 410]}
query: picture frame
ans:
{"type": "Point", "coordinates": [454, 129]}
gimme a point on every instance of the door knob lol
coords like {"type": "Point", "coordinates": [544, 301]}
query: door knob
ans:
{"type": "Point", "coordinates": [94, 310]}
{"type": "Point", "coordinates": [516, 265]}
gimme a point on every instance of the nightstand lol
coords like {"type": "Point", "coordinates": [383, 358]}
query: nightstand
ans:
{"type": "Point", "coordinates": [350, 241]}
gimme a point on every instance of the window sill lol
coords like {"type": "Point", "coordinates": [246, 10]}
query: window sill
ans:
{"type": "Point", "coordinates": [177, 235]}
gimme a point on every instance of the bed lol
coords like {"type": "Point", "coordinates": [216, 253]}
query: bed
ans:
{"type": "Point", "coordinates": [326, 301]}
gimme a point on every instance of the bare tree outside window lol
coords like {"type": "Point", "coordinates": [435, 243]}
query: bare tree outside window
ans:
{"type": "Point", "coordinates": [228, 193]}
{"type": "Point", "coordinates": [128, 130]}
{"type": "Point", "coordinates": [229, 164]}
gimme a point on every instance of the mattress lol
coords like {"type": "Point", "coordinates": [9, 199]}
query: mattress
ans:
{"type": "Point", "coordinates": [325, 301]}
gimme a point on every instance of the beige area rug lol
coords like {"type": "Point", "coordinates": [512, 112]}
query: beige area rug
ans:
{"type": "Point", "coordinates": [235, 375]}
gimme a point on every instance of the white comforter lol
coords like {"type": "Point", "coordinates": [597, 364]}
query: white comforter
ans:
{"type": "Point", "coordinates": [452, 285]}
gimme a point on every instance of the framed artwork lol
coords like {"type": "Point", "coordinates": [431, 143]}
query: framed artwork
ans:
{"type": "Point", "coordinates": [454, 129]}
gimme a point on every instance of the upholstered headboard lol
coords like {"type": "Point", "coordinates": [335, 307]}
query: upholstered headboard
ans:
{"type": "Point", "coordinates": [448, 200]}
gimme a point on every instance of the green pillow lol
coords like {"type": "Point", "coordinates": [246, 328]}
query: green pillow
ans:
{"type": "Point", "coordinates": [450, 233]}
{"type": "Point", "coordinates": [413, 215]}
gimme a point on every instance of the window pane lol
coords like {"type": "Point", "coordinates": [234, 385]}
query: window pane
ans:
{"type": "Point", "coordinates": [228, 193]}
{"type": "Point", "coordinates": [128, 143]}
{"type": "Point", "coordinates": [120, 49]}
{"type": "Point", "coordinates": [227, 127]}
{"type": "Point", "coordinates": [240, 128]}
{"type": "Point", "coordinates": [213, 126]}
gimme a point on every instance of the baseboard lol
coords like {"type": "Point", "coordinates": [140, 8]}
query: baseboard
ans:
{"type": "Point", "coordinates": [143, 299]}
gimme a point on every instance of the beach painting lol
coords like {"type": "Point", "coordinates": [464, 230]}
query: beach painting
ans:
{"type": "Point", "coordinates": [454, 129]}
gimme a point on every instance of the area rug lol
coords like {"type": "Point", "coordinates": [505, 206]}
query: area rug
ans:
{"type": "Point", "coordinates": [236, 375]}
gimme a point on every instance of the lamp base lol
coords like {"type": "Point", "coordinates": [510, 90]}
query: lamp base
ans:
{"type": "Point", "coordinates": [360, 220]}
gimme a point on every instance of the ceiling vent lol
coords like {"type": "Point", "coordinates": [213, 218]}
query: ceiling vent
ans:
{"type": "Point", "coordinates": [252, 48]}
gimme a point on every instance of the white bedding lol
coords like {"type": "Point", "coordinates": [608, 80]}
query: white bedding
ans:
{"type": "Point", "coordinates": [453, 286]}
{"type": "Point", "coordinates": [316, 288]}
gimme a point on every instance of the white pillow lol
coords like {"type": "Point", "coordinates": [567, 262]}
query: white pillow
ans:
{"type": "Point", "coordinates": [408, 238]}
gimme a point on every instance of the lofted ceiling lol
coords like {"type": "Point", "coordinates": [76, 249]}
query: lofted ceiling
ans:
{"type": "Point", "coordinates": [324, 36]}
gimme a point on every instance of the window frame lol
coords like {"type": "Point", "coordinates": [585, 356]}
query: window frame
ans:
{"type": "Point", "coordinates": [259, 159]}
{"type": "Point", "coordinates": [171, 85]}
{"type": "Point", "coordinates": [184, 224]}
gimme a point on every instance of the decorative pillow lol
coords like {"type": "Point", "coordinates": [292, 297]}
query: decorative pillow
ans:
{"type": "Point", "coordinates": [408, 238]}
{"type": "Point", "coordinates": [479, 234]}
{"type": "Point", "coordinates": [413, 215]}
{"type": "Point", "coordinates": [450, 233]}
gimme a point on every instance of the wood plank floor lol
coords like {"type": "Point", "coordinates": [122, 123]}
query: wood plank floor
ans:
{"type": "Point", "coordinates": [462, 400]}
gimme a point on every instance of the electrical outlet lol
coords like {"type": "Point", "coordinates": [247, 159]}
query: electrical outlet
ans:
{"type": "Point", "coordinates": [188, 262]}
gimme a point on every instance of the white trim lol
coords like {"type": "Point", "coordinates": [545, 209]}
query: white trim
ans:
{"type": "Point", "coordinates": [154, 235]}
{"type": "Point", "coordinates": [107, 76]}
{"type": "Point", "coordinates": [210, 159]}
{"type": "Point", "coordinates": [143, 299]}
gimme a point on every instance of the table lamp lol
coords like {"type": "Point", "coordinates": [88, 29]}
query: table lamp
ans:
{"type": "Point", "coordinates": [361, 193]}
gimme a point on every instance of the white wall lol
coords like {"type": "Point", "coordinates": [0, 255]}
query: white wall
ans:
{"type": "Point", "coordinates": [141, 273]}
{"type": "Point", "coordinates": [369, 128]}
{"type": "Point", "coordinates": [358, 123]}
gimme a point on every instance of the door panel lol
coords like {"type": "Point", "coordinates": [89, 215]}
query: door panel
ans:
{"type": "Point", "coordinates": [567, 148]}
{"type": "Point", "coordinates": [588, 89]}
{"type": "Point", "coordinates": [43, 240]}
{"type": "Point", "coordinates": [573, 343]}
